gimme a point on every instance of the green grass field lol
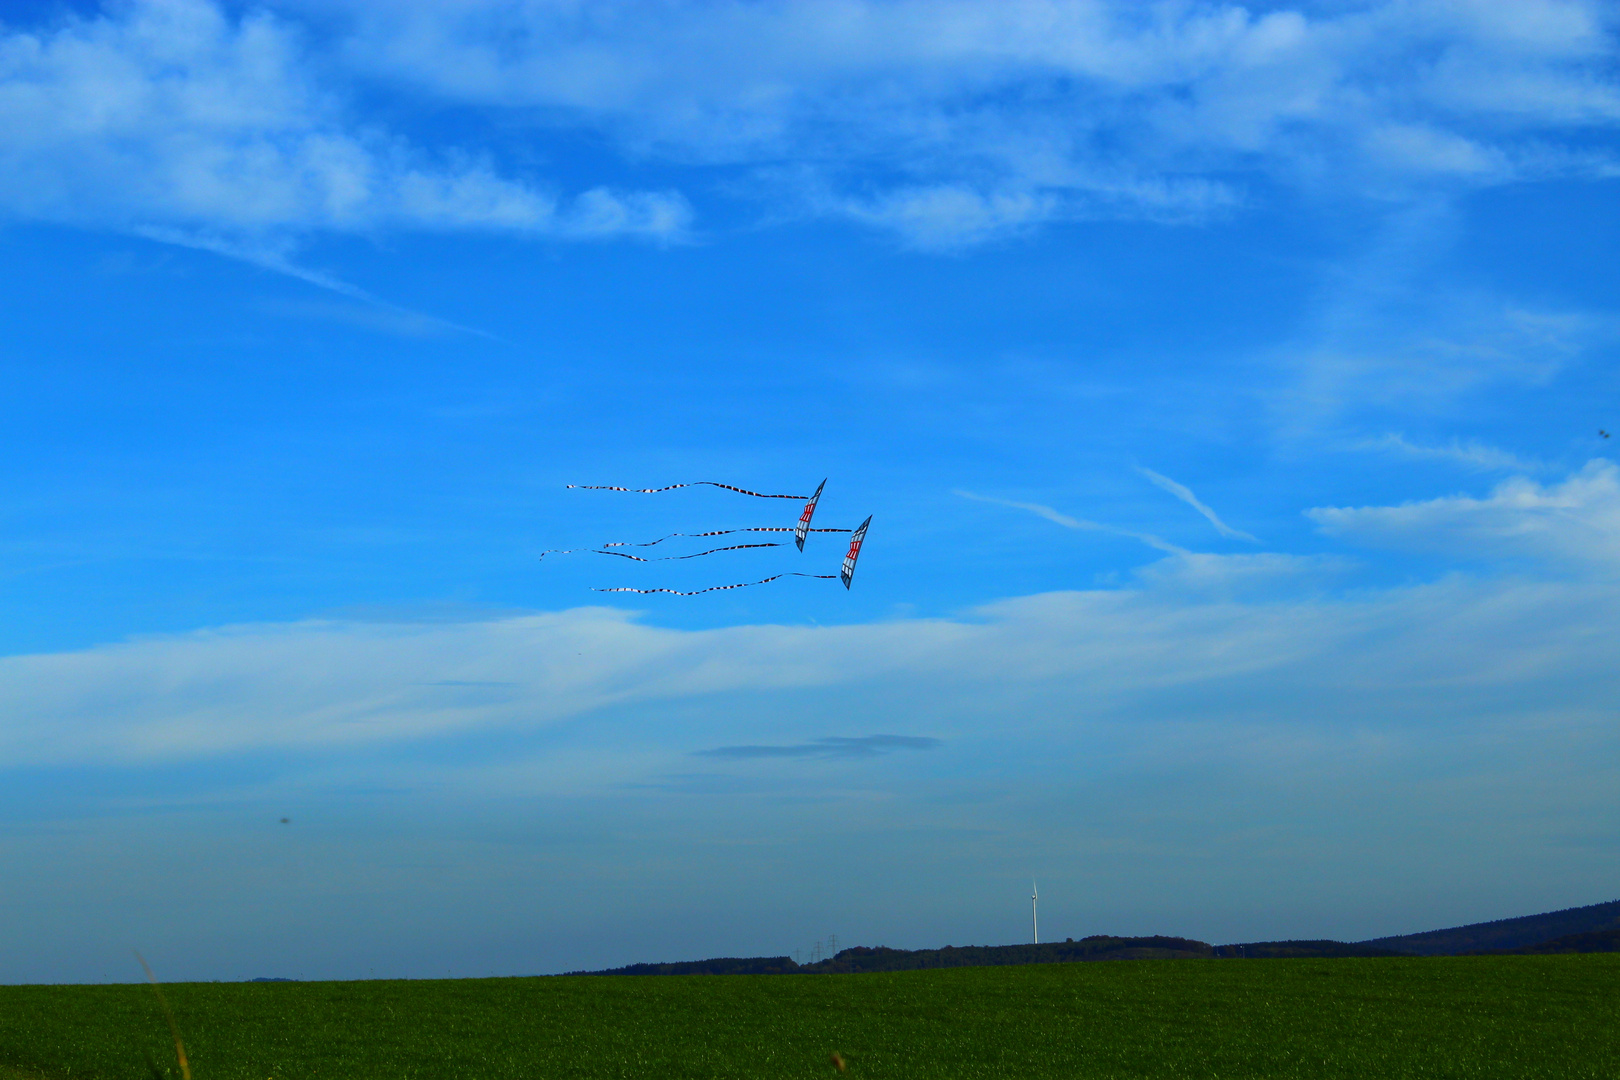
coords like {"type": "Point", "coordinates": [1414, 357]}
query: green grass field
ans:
{"type": "Point", "coordinates": [1531, 1016]}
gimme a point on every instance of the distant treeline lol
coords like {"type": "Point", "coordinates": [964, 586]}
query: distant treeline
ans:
{"type": "Point", "coordinates": [1595, 928]}
{"type": "Point", "coordinates": [1095, 948]}
{"type": "Point", "coordinates": [721, 965]}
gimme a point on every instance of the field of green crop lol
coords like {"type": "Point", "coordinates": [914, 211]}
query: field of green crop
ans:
{"type": "Point", "coordinates": [1531, 1016]}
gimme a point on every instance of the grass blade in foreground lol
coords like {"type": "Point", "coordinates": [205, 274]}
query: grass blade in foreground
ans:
{"type": "Point", "coordinates": [174, 1029]}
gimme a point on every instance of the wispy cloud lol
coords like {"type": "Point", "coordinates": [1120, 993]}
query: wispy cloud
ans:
{"type": "Point", "coordinates": [596, 677]}
{"type": "Point", "coordinates": [1388, 338]}
{"type": "Point", "coordinates": [277, 253]}
{"type": "Point", "coordinates": [1184, 493]}
{"type": "Point", "coordinates": [478, 683]}
{"type": "Point", "coordinates": [1575, 521]}
{"type": "Point", "coordinates": [1077, 523]}
{"type": "Point", "coordinates": [1474, 454]}
{"type": "Point", "coordinates": [373, 314]}
{"type": "Point", "coordinates": [833, 746]}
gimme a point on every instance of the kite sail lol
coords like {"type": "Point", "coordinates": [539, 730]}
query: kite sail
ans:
{"type": "Point", "coordinates": [722, 588]}
{"type": "Point", "coordinates": [672, 487]}
{"type": "Point", "coordinates": [855, 541]}
{"type": "Point", "coordinates": [803, 527]}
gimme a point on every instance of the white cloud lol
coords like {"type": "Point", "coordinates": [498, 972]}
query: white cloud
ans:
{"type": "Point", "coordinates": [949, 216]}
{"type": "Point", "coordinates": [1419, 148]}
{"type": "Point", "coordinates": [1170, 649]}
{"type": "Point", "coordinates": [944, 217]}
{"type": "Point", "coordinates": [1184, 493]}
{"type": "Point", "coordinates": [954, 121]}
{"type": "Point", "coordinates": [949, 122]}
{"type": "Point", "coordinates": [173, 119]}
{"type": "Point", "coordinates": [1575, 522]}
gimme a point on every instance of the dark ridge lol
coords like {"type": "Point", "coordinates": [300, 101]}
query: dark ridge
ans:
{"type": "Point", "coordinates": [1596, 941]}
{"type": "Point", "coordinates": [724, 965]}
{"type": "Point", "coordinates": [263, 979]}
{"type": "Point", "coordinates": [864, 958]}
{"type": "Point", "coordinates": [1506, 934]}
{"type": "Point", "coordinates": [1295, 950]}
{"type": "Point", "coordinates": [1096, 947]}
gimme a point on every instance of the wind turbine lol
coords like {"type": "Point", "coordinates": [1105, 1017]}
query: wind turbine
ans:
{"type": "Point", "coordinates": [1034, 919]}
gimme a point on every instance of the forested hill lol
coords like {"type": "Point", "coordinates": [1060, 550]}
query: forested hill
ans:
{"type": "Point", "coordinates": [1097, 947]}
{"type": "Point", "coordinates": [1527, 930]}
{"type": "Point", "coordinates": [1597, 941]}
{"type": "Point", "coordinates": [1594, 928]}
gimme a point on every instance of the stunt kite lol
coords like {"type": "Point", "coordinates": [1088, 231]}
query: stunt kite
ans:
{"type": "Point", "coordinates": [800, 531]}
{"type": "Point", "coordinates": [848, 572]}
{"type": "Point", "coordinates": [804, 518]}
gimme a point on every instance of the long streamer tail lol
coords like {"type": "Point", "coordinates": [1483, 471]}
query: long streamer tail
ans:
{"type": "Point", "coordinates": [673, 487]}
{"type": "Point", "coordinates": [671, 536]}
{"type": "Point", "coordinates": [694, 555]}
{"type": "Point", "coordinates": [719, 532]}
{"type": "Point", "coordinates": [721, 588]}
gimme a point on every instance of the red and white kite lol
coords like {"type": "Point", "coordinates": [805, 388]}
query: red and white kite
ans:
{"type": "Point", "coordinates": [848, 571]}
{"type": "Point", "coordinates": [804, 518]}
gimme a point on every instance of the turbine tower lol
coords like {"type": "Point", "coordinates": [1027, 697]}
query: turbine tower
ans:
{"type": "Point", "coordinates": [1034, 918]}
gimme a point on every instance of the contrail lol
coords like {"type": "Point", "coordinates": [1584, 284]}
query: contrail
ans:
{"type": "Point", "coordinates": [1184, 493]}
{"type": "Point", "coordinates": [1078, 523]}
{"type": "Point", "coordinates": [269, 258]}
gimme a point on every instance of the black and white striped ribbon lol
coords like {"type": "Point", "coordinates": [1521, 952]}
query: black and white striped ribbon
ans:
{"type": "Point", "coordinates": [564, 551]}
{"type": "Point", "coordinates": [672, 487]}
{"type": "Point", "coordinates": [718, 532]}
{"type": "Point", "coordinates": [694, 555]}
{"type": "Point", "coordinates": [671, 536]}
{"type": "Point", "coordinates": [722, 588]}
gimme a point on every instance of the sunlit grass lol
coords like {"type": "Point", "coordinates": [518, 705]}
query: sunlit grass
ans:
{"type": "Point", "coordinates": [1552, 1016]}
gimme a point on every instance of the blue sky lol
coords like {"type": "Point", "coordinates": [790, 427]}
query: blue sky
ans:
{"type": "Point", "coordinates": [1225, 384]}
